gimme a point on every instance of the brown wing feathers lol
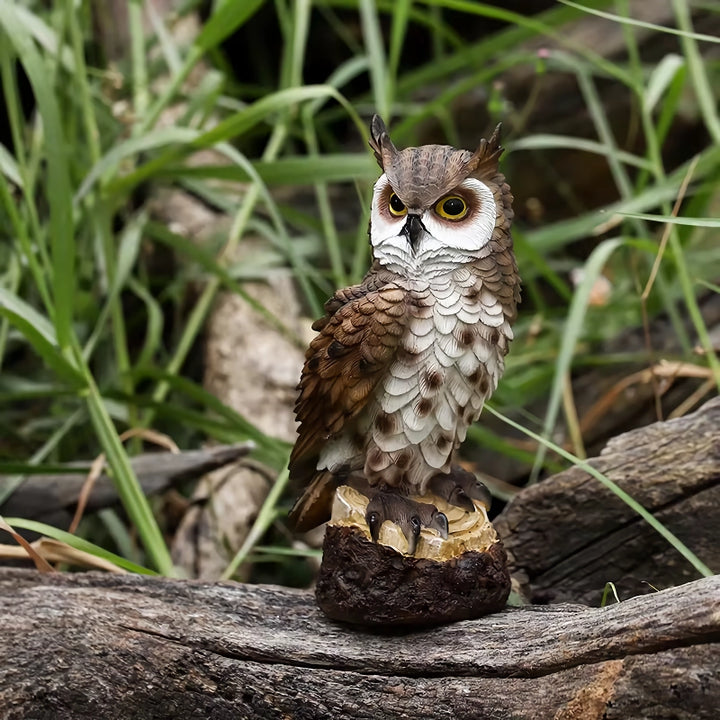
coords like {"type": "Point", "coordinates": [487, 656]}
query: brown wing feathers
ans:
{"type": "Point", "coordinates": [357, 341]}
{"type": "Point", "coordinates": [344, 363]}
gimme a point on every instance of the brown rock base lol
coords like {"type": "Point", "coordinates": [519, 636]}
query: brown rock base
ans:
{"type": "Point", "coordinates": [367, 583]}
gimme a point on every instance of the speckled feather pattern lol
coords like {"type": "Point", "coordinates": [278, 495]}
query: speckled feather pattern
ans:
{"type": "Point", "coordinates": [404, 361]}
{"type": "Point", "coordinates": [449, 360]}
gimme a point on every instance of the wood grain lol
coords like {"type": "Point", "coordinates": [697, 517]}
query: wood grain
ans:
{"type": "Point", "coordinates": [92, 645]}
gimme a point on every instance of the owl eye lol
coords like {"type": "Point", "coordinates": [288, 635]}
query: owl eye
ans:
{"type": "Point", "coordinates": [397, 206]}
{"type": "Point", "coordinates": [452, 207]}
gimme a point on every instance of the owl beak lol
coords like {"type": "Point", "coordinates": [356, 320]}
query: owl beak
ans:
{"type": "Point", "coordinates": [413, 230]}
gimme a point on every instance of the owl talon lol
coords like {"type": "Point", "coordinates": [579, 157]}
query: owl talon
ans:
{"type": "Point", "coordinates": [415, 529]}
{"type": "Point", "coordinates": [410, 516]}
{"type": "Point", "coordinates": [374, 521]}
{"type": "Point", "coordinates": [460, 487]}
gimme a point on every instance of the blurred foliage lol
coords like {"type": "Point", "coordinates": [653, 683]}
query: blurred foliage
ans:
{"type": "Point", "coordinates": [102, 307]}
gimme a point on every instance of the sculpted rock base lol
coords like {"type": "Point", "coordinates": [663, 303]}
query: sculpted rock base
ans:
{"type": "Point", "coordinates": [368, 583]}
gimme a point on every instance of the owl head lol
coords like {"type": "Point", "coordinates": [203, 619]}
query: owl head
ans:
{"type": "Point", "coordinates": [436, 208]}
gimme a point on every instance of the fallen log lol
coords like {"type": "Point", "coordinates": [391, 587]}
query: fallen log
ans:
{"type": "Point", "coordinates": [51, 498]}
{"type": "Point", "coordinates": [93, 645]}
{"type": "Point", "coordinates": [569, 535]}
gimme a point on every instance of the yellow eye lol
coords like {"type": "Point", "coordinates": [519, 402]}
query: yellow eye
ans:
{"type": "Point", "coordinates": [397, 206]}
{"type": "Point", "coordinates": [451, 207]}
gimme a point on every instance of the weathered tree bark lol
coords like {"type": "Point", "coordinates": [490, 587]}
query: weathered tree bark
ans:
{"type": "Point", "coordinates": [569, 535]}
{"type": "Point", "coordinates": [99, 646]}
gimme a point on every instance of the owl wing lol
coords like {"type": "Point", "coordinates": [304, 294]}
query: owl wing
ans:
{"type": "Point", "coordinates": [357, 341]}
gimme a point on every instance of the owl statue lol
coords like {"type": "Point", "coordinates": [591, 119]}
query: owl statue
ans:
{"type": "Point", "coordinates": [404, 361]}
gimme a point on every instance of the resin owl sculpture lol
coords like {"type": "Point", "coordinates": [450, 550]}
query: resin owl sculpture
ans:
{"type": "Point", "coordinates": [404, 361]}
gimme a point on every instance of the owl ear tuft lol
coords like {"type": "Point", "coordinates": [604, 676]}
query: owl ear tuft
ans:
{"type": "Point", "coordinates": [484, 162]}
{"type": "Point", "coordinates": [381, 143]}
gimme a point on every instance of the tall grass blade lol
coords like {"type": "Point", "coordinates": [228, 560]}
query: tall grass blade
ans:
{"type": "Point", "coordinates": [572, 331]}
{"type": "Point", "coordinates": [61, 227]}
{"type": "Point", "coordinates": [79, 544]}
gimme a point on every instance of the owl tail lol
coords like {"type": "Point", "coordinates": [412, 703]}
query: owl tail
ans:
{"type": "Point", "coordinates": [314, 506]}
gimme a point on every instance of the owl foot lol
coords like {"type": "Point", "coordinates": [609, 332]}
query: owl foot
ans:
{"type": "Point", "coordinates": [409, 515]}
{"type": "Point", "coordinates": [460, 487]}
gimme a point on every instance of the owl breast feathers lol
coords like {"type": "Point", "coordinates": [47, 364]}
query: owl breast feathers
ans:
{"type": "Point", "coordinates": [404, 361]}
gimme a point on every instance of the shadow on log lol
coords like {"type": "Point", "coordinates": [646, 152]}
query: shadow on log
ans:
{"type": "Point", "coordinates": [93, 645]}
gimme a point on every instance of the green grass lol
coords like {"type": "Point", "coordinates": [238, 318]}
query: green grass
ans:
{"type": "Point", "coordinates": [92, 342]}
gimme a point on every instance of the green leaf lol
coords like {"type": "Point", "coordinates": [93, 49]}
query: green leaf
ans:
{"type": "Point", "coordinates": [641, 23]}
{"type": "Point", "coordinates": [674, 220]}
{"type": "Point", "coordinates": [201, 256]}
{"type": "Point", "coordinates": [551, 142]}
{"type": "Point", "coordinates": [229, 129]}
{"type": "Point", "coordinates": [46, 37]}
{"type": "Point", "coordinates": [108, 163]}
{"type": "Point", "coordinates": [39, 332]}
{"type": "Point", "coordinates": [706, 98]}
{"type": "Point", "coordinates": [9, 167]}
{"type": "Point", "coordinates": [375, 49]}
{"type": "Point", "coordinates": [265, 518]}
{"type": "Point", "coordinates": [609, 588]}
{"type": "Point", "coordinates": [274, 451]}
{"type": "Point", "coordinates": [131, 494]}
{"type": "Point", "coordinates": [660, 79]}
{"type": "Point", "coordinates": [155, 322]}
{"type": "Point", "coordinates": [129, 247]}
{"type": "Point", "coordinates": [291, 170]}
{"type": "Point", "coordinates": [260, 110]}
{"type": "Point", "coordinates": [10, 483]}
{"type": "Point", "coordinates": [228, 17]}
{"type": "Point", "coordinates": [555, 235]}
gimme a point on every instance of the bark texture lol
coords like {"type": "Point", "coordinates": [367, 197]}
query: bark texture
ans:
{"type": "Point", "coordinates": [93, 645]}
{"type": "Point", "coordinates": [569, 535]}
